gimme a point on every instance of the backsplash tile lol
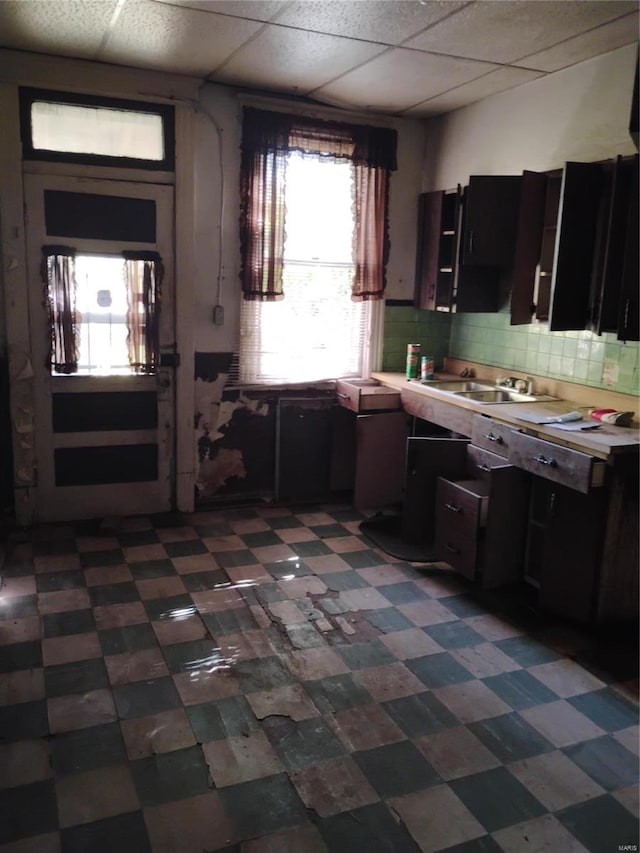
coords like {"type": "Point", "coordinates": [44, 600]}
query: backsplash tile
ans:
{"type": "Point", "coordinates": [575, 356]}
{"type": "Point", "coordinates": [407, 325]}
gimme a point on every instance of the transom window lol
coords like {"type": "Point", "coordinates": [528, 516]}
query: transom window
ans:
{"type": "Point", "coordinates": [85, 129]}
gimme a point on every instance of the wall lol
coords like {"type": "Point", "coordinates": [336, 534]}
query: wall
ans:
{"type": "Point", "coordinates": [580, 114]}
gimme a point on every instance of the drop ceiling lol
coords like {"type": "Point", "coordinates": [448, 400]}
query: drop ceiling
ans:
{"type": "Point", "coordinates": [397, 57]}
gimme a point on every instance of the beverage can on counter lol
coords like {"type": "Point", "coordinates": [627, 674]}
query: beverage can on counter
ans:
{"type": "Point", "coordinates": [413, 361]}
{"type": "Point", "coordinates": [426, 367]}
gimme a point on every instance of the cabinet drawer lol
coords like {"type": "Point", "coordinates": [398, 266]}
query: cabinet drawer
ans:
{"type": "Point", "coordinates": [459, 550]}
{"type": "Point", "coordinates": [462, 503]}
{"type": "Point", "coordinates": [568, 467]}
{"type": "Point", "coordinates": [492, 435]}
{"type": "Point", "coordinates": [482, 464]}
{"type": "Point", "coordinates": [364, 396]}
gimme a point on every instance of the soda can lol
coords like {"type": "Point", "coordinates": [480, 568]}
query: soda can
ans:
{"type": "Point", "coordinates": [426, 367]}
{"type": "Point", "coordinates": [413, 361]}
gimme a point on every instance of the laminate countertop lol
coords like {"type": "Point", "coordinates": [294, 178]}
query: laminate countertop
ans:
{"type": "Point", "coordinates": [605, 442]}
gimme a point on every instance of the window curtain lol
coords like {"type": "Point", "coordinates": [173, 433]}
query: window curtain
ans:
{"type": "Point", "coordinates": [58, 275]}
{"type": "Point", "coordinates": [143, 274]}
{"type": "Point", "coordinates": [267, 138]}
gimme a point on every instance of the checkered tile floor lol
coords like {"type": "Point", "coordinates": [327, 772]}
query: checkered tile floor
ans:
{"type": "Point", "coordinates": [265, 679]}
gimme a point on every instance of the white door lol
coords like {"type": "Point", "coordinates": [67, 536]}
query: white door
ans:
{"type": "Point", "coordinates": [104, 436]}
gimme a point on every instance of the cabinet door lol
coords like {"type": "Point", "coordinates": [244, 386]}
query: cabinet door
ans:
{"type": "Point", "coordinates": [429, 218]}
{"type": "Point", "coordinates": [566, 532]}
{"type": "Point", "coordinates": [628, 306]}
{"type": "Point", "coordinates": [490, 219]}
{"type": "Point", "coordinates": [380, 458]}
{"type": "Point", "coordinates": [427, 459]}
{"type": "Point", "coordinates": [528, 246]}
{"type": "Point", "coordinates": [580, 209]}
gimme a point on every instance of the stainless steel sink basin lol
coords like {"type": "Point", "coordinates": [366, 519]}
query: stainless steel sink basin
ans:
{"type": "Point", "coordinates": [482, 392]}
{"type": "Point", "coordinates": [457, 386]}
{"type": "Point", "coordinates": [503, 395]}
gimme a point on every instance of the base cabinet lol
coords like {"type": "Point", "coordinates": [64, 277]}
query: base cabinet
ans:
{"type": "Point", "coordinates": [481, 519]}
{"type": "Point", "coordinates": [380, 454]}
{"type": "Point", "coordinates": [564, 548]}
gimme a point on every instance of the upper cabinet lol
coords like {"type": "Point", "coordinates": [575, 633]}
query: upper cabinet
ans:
{"type": "Point", "coordinates": [576, 256]}
{"type": "Point", "coordinates": [465, 242]}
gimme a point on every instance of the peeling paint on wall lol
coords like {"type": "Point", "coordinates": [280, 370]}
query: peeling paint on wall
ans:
{"type": "Point", "coordinates": [214, 472]}
{"type": "Point", "coordinates": [217, 462]}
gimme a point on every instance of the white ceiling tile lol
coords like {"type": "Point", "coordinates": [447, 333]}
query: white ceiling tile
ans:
{"type": "Point", "coordinates": [255, 10]}
{"type": "Point", "coordinates": [505, 30]}
{"type": "Point", "coordinates": [468, 93]}
{"type": "Point", "coordinates": [400, 78]}
{"type": "Point", "coordinates": [385, 21]}
{"type": "Point", "coordinates": [601, 40]}
{"type": "Point", "coordinates": [291, 60]}
{"type": "Point", "coordinates": [72, 28]}
{"type": "Point", "coordinates": [172, 38]}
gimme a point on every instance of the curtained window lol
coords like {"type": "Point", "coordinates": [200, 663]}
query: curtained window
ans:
{"type": "Point", "coordinates": [143, 275]}
{"type": "Point", "coordinates": [103, 311]}
{"type": "Point", "coordinates": [314, 242]}
{"type": "Point", "coordinates": [58, 273]}
{"type": "Point", "coordinates": [268, 138]}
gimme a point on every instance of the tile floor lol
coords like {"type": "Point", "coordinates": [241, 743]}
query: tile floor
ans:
{"type": "Point", "coordinates": [265, 680]}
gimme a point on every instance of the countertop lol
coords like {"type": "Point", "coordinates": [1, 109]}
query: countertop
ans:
{"type": "Point", "coordinates": [606, 442]}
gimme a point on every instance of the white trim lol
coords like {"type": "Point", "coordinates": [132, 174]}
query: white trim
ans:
{"type": "Point", "coordinates": [105, 438]}
{"type": "Point", "coordinates": [107, 173]}
{"type": "Point", "coordinates": [184, 235]}
{"type": "Point", "coordinates": [16, 310]}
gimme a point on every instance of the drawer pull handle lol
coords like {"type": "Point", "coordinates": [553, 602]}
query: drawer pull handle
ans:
{"type": "Point", "coordinates": [491, 437]}
{"type": "Point", "coordinates": [452, 549]}
{"type": "Point", "coordinates": [544, 461]}
{"type": "Point", "coordinates": [344, 396]}
{"type": "Point", "coordinates": [453, 507]}
{"type": "Point", "coordinates": [483, 467]}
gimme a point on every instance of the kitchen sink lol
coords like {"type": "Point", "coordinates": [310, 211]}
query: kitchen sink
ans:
{"type": "Point", "coordinates": [503, 395]}
{"type": "Point", "coordinates": [457, 386]}
{"type": "Point", "coordinates": [483, 392]}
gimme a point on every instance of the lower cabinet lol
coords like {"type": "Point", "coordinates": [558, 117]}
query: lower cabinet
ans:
{"type": "Point", "coordinates": [380, 457]}
{"type": "Point", "coordinates": [564, 548]}
{"type": "Point", "coordinates": [481, 519]}
{"type": "Point", "coordinates": [427, 459]}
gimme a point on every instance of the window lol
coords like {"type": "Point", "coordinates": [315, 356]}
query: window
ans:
{"type": "Point", "coordinates": [316, 331]}
{"type": "Point", "coordinates": [103, 311]}
{"type": "Point", "coordinates": [314, 246]}
{"type": "Point", "coordinates": [84, 129]}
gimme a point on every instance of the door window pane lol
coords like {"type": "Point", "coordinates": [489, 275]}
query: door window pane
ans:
{"type": "Point", "coordinates": [102, 314]}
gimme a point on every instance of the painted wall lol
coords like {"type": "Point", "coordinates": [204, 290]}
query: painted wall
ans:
{"type": "Point", "coordinates": [579, 114]}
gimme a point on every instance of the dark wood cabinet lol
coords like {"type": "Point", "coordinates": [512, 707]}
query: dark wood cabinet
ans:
{"type": "Point", "coordinates": [465, 241]}
{"type": "Point", "coordinates": [595, 270]}
{"type": "Point", "coordinates": [576, 255]}
{"type": "Point", "coordinates": [380, 457]}
{"type": "Point", "coordinates": [438, 219]}
{"type": "Point", "coordinates": [535, 247]}
{"type": "Point", "coordinates": [489, 220]}
{"type": "Point", "coordinates": [581, 194]}
{"type": "Point", "coordinates": [427, 459]}
{"type": "Point", "coordinates": [614, 294]}
{"type": "Point", "coordinates": [564, 548]}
